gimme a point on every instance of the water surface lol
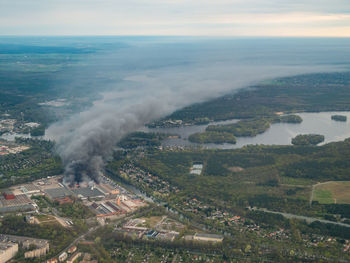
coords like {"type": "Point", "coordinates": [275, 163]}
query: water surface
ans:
{"type": "Point", "coordinates": [278, 134]}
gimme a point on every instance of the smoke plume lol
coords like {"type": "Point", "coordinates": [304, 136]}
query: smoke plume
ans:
{"type": "Point", "coordinates": [159, 85]}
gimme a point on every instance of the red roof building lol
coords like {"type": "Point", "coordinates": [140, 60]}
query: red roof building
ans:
{"type": "Point", "coordinates": [64, 200]}
{"type": "Point", "coordinates": [9, 195]}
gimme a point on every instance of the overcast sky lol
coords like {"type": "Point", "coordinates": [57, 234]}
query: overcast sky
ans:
{"type": "Point", "coordinates": [176, 17]}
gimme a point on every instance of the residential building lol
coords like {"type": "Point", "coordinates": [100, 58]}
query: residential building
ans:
{"type": "Point", "coordinates": [62, 257]}
{"type": "Point", "coordinates": [74, 257]}
{"type": "Point", "coordinates": [7, 251]}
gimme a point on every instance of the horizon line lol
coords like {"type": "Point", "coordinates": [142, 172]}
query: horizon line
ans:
{"type": "Point", "coordinates": [186, 36]}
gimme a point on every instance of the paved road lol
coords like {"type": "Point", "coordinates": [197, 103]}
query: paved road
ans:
{"type": "Point", "coordinates": [306, 218]}
{"type": "Point", "coordinates": [82, 236]}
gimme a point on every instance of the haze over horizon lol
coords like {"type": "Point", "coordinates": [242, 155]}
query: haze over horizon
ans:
{"type": "Point", "coordinates": [159, 77]}
{"type": "Point", "coordinates": [298, 18]}
{"type": "Point", "coordinates": [158, 131]}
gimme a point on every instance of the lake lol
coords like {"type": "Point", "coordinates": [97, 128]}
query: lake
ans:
{"type": "Point", "coordinates": [278, 134]}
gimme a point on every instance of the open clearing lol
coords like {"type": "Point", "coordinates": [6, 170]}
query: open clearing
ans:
{"type": "Point", "coordinates": [46, 220]}
{"type": "Point", "coordinates": [332, 192]}
{"type": "Point", "coordinates": [152, 221]}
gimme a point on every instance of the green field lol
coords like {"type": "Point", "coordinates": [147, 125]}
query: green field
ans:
{"type": "Point", "coordinates": [333, 192]}
{"type": "Point", "coordinates": [323, 196]}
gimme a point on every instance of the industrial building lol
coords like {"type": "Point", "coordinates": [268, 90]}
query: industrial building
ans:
{"type": "Point", "coordinates": [196, 169]}
{"type": "Point", "coordinates": [9, 195]}
{"type": "Point", "coordinates": [49, 183]}
{"type": "Point", "coordinates": [54, 193]}
{"type": "Point", "coordinates": [30, 189]}
{"type": "Point", "coordinates": [88, 193]}
{"type": "Point", "coordinates": [64, 200]}
{"type": "Point", "coordinates": [7, 251]}
{"type": "Point", "coordinates": [15, 203]}
{"type": "Point", "coordinates": [108, 189]}
{"type": "Point", "coordinates": [106, 209]}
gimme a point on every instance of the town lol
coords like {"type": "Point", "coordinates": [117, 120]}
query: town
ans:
{"type": "Point", "coordinates": [106, 200]}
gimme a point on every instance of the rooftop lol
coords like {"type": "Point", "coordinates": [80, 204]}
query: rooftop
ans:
{"type": "Point", "coordinates": [17, 201]}
{"type": "Point", "coordinates": [23, 239]}
{"type": "Point", "coordinates": [88, 192]}
{"type": "Point", "coordinates": [30, 188]}
{"type": "Point", "coordinates": [5, 245]}
{"type": "Point", "coordinates": [57, 192]}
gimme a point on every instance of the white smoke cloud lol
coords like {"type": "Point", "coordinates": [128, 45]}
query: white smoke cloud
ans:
{"type": "Point", "coordinates": [152, 91]}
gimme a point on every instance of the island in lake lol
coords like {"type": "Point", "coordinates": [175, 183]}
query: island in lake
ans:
{"type": "Point", "coordinates": [307, 139]}
{"type": "Point", "coordinates": [339, 118]}
{"type": "Point", "coordinates": [213, 137]}
{"type": "Point", "coordinates": [244, 128]}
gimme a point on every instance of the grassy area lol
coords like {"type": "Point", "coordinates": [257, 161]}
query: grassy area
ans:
{"type": "Point", "coordinates": [333, 192]}
{"type": "Point", "coordinates": [173, 225]}
{"type": "Point", "coordinates": [295, 181]}
{"type": "Point", "coordinates": [47, 220]}
{"type": "Point", "coordinates": [323, 196]}
{"type": "Point", "coordinates": [152, 221]}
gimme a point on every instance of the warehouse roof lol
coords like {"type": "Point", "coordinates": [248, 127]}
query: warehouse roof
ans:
{"type": "Point", "coordinates": [57, 192]}
{"type": "Point", "coordinates": [88, 192]}
{"type": "Point", "coordinates": [30, 188]}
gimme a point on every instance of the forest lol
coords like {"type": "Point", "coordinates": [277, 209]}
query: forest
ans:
{"type": "Point", "coordinates": [304, 93]}
{"type": "Point", "coordinates": [274, 177]}
{"type": "Point", "coordinates": [213, 137]}
{"type": "Point", "coordinates": [139, 139]}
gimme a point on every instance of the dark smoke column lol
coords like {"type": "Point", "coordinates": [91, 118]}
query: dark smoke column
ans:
{"type": "Point", "coordinates": [87, 139]}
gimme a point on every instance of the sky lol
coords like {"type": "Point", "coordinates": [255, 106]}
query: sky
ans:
{"type": "Point", "coordinates": [280, 18]}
